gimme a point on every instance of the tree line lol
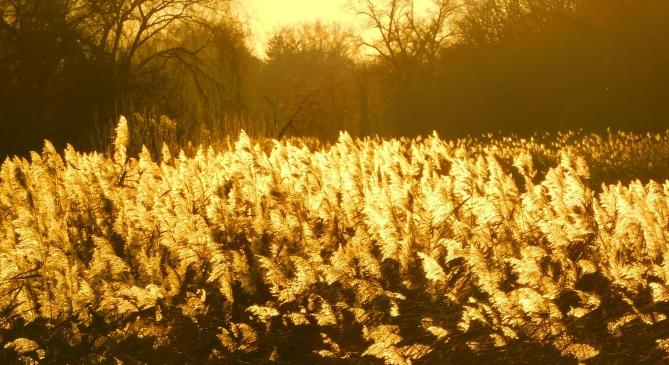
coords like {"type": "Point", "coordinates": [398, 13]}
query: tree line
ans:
{"type": "Point", "coordinates": [69, 68]}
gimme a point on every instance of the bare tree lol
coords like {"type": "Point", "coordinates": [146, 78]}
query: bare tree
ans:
{"type": "Point", "coordinates": [403, 39]}
{"type": "Point", "coordinates": [307, 79]}
{"type": "Point", "coordinates": [408, 45]}
{"type": "Point", "coordinates": [131, 35]}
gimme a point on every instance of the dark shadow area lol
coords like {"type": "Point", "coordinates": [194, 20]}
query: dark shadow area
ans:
{"type": "Point", "coordinates": [69, 69]}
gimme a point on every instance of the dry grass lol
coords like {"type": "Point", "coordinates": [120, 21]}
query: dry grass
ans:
{"type": "Point", "coordinates": [366, 251]}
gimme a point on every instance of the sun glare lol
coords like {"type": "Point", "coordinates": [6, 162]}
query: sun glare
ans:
{"type": "Point", "coordinates": [266, 16]}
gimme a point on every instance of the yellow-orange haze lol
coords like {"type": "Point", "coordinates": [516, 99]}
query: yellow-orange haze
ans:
{"type": "Point", "coordinates": [265, 16]}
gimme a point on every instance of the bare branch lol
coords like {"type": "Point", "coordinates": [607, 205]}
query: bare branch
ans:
{"type": "Point", "coordinates": [406, 40]}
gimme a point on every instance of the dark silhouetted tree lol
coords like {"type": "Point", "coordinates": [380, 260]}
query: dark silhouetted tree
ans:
{"type": "Point", "coordinates": [307, 78]}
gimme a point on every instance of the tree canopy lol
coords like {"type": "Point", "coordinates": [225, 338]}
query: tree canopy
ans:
{"type": "Point", "coordinates": [70, 68]}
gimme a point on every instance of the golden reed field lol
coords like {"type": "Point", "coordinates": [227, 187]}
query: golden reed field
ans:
{"type": "Point", "coordinates": [374, 251]}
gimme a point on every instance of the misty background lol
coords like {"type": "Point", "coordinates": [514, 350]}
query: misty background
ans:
{"type": "Point", "coordinates": [186, 70]}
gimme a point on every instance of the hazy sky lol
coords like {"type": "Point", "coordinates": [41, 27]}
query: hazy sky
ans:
{"type": "Point", "coordinates": [265, 16]}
